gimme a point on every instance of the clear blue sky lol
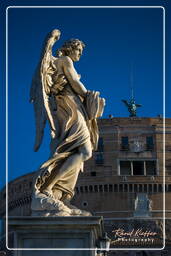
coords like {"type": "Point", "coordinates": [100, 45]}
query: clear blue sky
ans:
{"type": "Point", "coordinates": [114, 38]}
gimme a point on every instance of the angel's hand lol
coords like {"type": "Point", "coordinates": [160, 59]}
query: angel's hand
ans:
{"type": "Point", "coordinates": [56, 34]}
{"type": "Point", "coordinates": [79, 76]}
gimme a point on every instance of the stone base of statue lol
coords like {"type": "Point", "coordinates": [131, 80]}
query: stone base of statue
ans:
{"type": "Point", "coordinates": [140, 214]}
{"type": "Point", "coordinates": [53, 236]}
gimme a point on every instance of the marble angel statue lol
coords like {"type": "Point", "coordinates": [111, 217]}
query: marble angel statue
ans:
{"type": "Point", "coordinates": [60, 98]}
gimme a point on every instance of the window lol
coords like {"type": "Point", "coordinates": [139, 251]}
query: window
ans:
{"type": "Point", "coordinates": [115, 188]}
{"type": "Point", "coordinates": [99, 159]}
{"type": "Point", "coordinates": [93, 173]}
{"type": "Point", "coordinates": [149, 143]}
{"type": "Point", "coordinates": [125, 167]}
{"type": "Point", "coordinates": [106, 188]}
{"type": "Point", "coordinates": [96, 188]}
{"type": "Point", "coordinates": [85, 204]}
{"type": "Point", "coordinates": [135, 188]}
{"type": "Point", "coordinates": [160, 188]}
{"type": "Point", "coordinates": [140, 188]}
{"type": "Point", "coordinates": [100, 147]}
{"type": "Point", "coordinates": [125, 187]}
{"type": "Point", "coordinates": [121, 187]}
{"type": "Point", "coordinates": [150, 188]}
{"type": "Point", "coordinates": [110, 187]}
{"type": "Point", "coordinates": [135, 167]}
{"type": "Point", "coordinates": [151, 167]}
{"type": "Point", "coordinates": [138, 168]}
{"type": "Point", "coordinates": [145, 188]}
{"type": "Point", "coordinates": [124, 143]}
{"type": "Point", "coordinates": [130, 188]}
{"type": "Point", "coordinates": [168, 164]}
{"type": "Point", "coordinates": [91, 188]}
{"type": "Point", "coordinates": [155, 187]}
{"type": "Point", "coordinates": [101, 188]}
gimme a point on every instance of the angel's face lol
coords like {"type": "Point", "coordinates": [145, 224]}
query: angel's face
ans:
{"type": "Point", "coordinates": [76, 53]}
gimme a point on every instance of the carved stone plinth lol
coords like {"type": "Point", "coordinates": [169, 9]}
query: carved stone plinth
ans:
{"type": "Point", "coordinates": [55, 235]}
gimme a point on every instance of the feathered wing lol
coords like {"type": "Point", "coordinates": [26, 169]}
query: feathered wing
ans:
{"type": "Point", "coordinates": [138, 105]}
{"type": "Point", "coordinates": [36, 97]}
{"type": "Point", "coordinates": [41, 89]}
{"type": "Point", "coordinates": [125, 102]}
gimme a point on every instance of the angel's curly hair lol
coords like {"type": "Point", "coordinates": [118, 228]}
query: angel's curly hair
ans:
{"type": "Point", "coordinates": [69, 46]}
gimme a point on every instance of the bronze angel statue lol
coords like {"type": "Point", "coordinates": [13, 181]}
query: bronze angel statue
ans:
{"type": "Point", "coordinates": [60, 98]}
{"type": "Point", "coordinates": [132, 107]}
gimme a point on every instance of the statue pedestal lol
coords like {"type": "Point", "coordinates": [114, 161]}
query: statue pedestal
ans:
{"type": "Point", "coordinates": [52, 236]}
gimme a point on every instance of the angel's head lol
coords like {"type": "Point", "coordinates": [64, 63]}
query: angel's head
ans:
{"type": "Point", "coordinates": [72, 48]}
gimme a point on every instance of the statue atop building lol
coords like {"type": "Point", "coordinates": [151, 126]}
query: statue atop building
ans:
{"type": "Point", "coordinates": [131, 105]}
{"type": "Point", "coordinates": [143, 205]}
{"type": "Point", "coordinates": [60, 98]}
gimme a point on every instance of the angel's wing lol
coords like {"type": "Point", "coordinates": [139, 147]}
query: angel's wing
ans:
{"type": "Point", "coordinates": [138, 105]}
{"type": "Point", "coordinates": [36, 97]}
{"type": "Point", "coordinates": [47, 68]}
{"type": "Point", "coordinates": [41, 88]}
{"type": "Point", "coordinates": [125, 102]}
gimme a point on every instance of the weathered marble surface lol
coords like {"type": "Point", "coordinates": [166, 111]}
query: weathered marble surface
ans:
{"type": "Point", "coordinates": [72, 111]}
{"type": "Point", "coordinates": [55, 232]}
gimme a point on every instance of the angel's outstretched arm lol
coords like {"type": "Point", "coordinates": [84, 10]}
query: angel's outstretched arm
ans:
{"type": "Point", "coordinates": [73, 77]}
